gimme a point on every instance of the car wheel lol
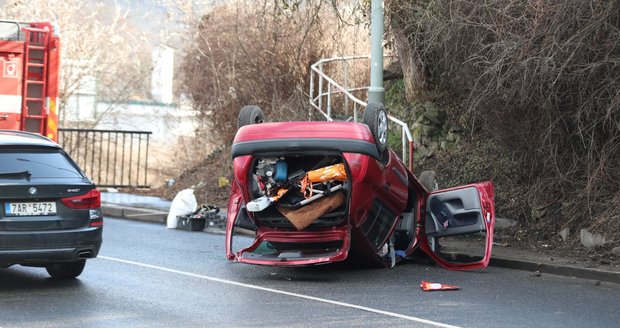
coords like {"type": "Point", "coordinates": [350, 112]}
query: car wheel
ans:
{"type": "Point", "coordinates": [66, 270]}
{"type": "Point", "coordinates": [251, 114]}
{"type": "Point", "coordinates": [429, 180]}
{"type": "Point", "coordinates": [376, 118]}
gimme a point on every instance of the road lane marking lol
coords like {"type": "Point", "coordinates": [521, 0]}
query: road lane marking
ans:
{"type": "Point", "coordinates": [277, 291]}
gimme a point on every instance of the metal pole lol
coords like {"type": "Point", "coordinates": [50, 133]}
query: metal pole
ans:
{"type": "Point", "coordinates": [311, 94]}
{"type": "Point", "coordinates": [146, 160]}
{"type": "Point", "coordinates": [376, 93]}
{"type": "Point", "coordinates": [402, 136]}
{"type": "Point", "coordinates": [345, 68]}
{"type": "Point", "coordinates": [320, 87]}
{"type": "Point", "coordinates": [329, 101]}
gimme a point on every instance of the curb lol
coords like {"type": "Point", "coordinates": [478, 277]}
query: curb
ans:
{"type": "Point", "coordinates": [561, 270]}
{"type": "Point", "coordinates": [134, 213]}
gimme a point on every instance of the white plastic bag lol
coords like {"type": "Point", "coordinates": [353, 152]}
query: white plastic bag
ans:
{"type": "Point", "coordinates": [184, 203]}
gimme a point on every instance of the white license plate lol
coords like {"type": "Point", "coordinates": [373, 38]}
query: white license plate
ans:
{"type": "Point", "coordinates": [30, 209]}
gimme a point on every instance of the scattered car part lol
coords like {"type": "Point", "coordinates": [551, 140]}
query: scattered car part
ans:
{"type": "Point", "coordinates": [433, 286]}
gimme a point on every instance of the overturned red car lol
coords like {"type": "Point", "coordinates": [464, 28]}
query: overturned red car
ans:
{"type": "Point", "coordinates": [323, 192]}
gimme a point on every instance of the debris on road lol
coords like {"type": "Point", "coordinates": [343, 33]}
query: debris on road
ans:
{"type": "Point", "coordinates": [184, 203]}
{"type": "Point", "coordinates": [433, 286]}
{"type": "Point", "coordinates": [197, 220]}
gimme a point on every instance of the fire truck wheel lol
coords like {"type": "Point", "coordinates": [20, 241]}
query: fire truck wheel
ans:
{"type": "Point", "coordinates": [250, 114]}
{"type": "Point", "coordinates": [376, 118]}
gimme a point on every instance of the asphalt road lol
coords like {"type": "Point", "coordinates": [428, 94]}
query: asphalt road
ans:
{"type": "Point", "coordinates": [147, 276]}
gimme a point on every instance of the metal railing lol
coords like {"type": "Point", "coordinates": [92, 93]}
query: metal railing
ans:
{"type": "Point", "coordinates": [329, 91]}
{"type": "Point", "coordinates": [111, 158]}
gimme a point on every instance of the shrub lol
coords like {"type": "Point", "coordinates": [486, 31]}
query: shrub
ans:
{"type": "Point", "coordinates": [542, 78]}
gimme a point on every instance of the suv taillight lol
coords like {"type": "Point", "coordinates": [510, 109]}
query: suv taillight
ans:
{"type": "Point", "coordinates": [90, 200]}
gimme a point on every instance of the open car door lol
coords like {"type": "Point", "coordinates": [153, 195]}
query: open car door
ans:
{"type": "Point", "coordinates": [458, 226]}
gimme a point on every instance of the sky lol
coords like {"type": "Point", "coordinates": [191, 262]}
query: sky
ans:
{"type": "Point", "coordinates": [162, 17]}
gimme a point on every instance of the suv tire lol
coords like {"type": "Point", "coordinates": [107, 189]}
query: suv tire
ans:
{"type": "Point", "coordinates": [65, 270]}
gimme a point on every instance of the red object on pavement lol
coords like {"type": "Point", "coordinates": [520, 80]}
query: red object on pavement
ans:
{"type": "Point", "coordinates": [433, 286]}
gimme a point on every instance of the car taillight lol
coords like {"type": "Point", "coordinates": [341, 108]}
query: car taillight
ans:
{"type": "Point", "coordinates": [90, 200]}
{"type": "Point", "coordinates": [358, 164]}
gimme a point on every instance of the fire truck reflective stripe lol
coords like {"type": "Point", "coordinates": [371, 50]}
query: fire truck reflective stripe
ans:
{"type": "Point", "coordinates": [50, 104]}
{"type": "Point", "coordinates": [51, 126]}
{"type": "Point", "coordinates": [11, 104]}
{"type": "Point", "coordinates": [52, 121]}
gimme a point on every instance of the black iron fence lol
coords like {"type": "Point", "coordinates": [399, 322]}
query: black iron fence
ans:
{"type": "Point", "coordinates": [111, 158]}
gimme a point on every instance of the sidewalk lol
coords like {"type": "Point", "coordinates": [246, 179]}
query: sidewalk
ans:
{"type": "Point", "coordinates": [154, 209]}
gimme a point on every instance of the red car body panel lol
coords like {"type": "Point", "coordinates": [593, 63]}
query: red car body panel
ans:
{"type": "Point", "coordinates": [379, 186]}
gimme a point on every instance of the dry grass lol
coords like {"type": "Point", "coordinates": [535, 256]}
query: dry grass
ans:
{"type": "Point", "coordinates": [257, 54]}
{"type": "Point", "coordinates": [249, 55]}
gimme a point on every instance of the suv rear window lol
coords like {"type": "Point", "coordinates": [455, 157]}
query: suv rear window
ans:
{"type": "Point", "coordinates": [40, 162]}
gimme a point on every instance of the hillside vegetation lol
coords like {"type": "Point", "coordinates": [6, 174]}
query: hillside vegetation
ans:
{"type": "Point", "coordinates": [526, 93]}
{"type": "Point", "coordinates": [536, 87]}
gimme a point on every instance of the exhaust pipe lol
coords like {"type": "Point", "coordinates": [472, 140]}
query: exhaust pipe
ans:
{"type": "Point", "coordinates": [85, 255]}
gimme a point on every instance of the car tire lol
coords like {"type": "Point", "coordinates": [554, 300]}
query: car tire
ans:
{"type": "Point", "coordinates": [375, 116]}
{"type": "Point", "coordinates": [429, 180]}
{"type": "Point", "coordinates": [250, 114]}
{"type": "Point", "coordinates": [65, 270]}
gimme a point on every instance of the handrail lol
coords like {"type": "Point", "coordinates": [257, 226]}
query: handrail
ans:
{"type": "Point", "coordinates": [317, 101]}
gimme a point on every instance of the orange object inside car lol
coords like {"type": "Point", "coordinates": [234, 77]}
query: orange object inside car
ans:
{"type": "Point", "coordinates": [328, 173]}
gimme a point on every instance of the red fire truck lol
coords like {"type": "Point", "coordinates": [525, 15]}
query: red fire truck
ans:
{"type": "Point", "coordinates": [29, 68]}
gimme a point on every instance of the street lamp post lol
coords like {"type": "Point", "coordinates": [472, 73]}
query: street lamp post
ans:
{"type": "Point", "coordinates": [376, 92]}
